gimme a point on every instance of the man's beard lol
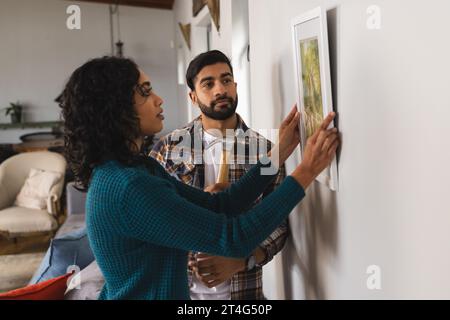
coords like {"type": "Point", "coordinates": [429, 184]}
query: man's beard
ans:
{"type": "Point", "coordinates": [222, 113]}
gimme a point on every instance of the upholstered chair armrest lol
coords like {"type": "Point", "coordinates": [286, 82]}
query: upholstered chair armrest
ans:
{"type": "Point", "coordinates": [5, 197]}
{"type": "Point", "coordinates": [53, 200]}
{"type": "Point", "coordinates": [53, 205]}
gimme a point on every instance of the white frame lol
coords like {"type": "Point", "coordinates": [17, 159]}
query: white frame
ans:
{"type": "Point", "coordinates": [318, 13]}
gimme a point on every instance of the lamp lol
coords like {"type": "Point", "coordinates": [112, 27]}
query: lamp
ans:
{"type": "Point", "coordinates": [116, 47]}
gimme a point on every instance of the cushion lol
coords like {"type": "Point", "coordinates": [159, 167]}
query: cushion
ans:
{"type": "Point", "coordinates": [86, 285]}
{"type": "Point", "coordinates": [52, 289]}
{"type": "Point", "coordinates": [68, 250]}
{"type": "Point", "coordinates": [36, 189]}
{"type": "Point", "coordinates": [18, 220]}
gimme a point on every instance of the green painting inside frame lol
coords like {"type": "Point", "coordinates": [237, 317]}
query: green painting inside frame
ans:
{"type": "Point", "coordinates": [313, 79]}
{"type": "Point", "coordinates": [312, 85]}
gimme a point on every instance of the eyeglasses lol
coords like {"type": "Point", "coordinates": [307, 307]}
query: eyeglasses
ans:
{"type": "Point", "coordinates": [144, 89]}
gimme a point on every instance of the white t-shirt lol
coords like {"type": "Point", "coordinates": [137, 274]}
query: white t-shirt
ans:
{"type": "Point", "coordinates": [211, 157]}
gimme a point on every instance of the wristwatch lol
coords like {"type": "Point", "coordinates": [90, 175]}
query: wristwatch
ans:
{"type": "Point", "coordinates": [250, 262]}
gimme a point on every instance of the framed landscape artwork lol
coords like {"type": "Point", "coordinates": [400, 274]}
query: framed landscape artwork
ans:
{"type": "Point", "coordinates": [313, 80]}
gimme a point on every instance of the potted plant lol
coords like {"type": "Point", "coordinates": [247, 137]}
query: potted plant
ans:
{"type": "Point", "coordinates": [15, 110]}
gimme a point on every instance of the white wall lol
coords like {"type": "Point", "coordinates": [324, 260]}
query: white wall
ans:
{"type": "Point", "coordinates": [183, 14]}
{"type": "Point", "coordinates": [391, 209]}
{"type": "Point", "coordinates": [241, 65]}
{"type": "Point", "coordinates": [38, 53]}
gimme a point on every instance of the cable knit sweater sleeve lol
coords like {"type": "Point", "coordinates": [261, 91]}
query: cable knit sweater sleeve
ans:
{"type": "Point", "coordinates": [238, 197]}
{"type": "Point", "coordinates": [159, 211]}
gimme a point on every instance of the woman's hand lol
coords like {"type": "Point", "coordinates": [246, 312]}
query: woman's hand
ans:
{"type": "Point", "coordinates": [319, 151]}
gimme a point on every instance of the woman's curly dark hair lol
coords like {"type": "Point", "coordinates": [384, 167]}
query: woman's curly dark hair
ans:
{"type": "Point", "coordinates": [100, 122]}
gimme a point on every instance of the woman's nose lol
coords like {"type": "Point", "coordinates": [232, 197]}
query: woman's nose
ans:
{"type": "Point", "coordinates": [160, 100]}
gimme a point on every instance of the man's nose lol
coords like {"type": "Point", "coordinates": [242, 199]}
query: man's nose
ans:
{"type": "Point", "coordinates": [219, 90]}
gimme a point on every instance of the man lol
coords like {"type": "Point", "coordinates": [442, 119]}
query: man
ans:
{"type": "Point", "coordinates": [191, 154]}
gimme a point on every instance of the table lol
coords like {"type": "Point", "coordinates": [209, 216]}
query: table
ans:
{"type": "Point", "coordinates": [39, 145]}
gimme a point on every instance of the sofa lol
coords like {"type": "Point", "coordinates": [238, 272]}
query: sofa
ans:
{"type": "Point", "coordinates": [70, 251]}
{"type": "Point", "coordinates": [75, 201]}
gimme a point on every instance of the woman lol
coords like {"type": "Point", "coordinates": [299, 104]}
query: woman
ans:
{"type": "Point", "coordinates": [141, 222]}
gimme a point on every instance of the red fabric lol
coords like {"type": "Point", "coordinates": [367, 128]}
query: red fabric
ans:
{"type": "Point", "coordinates": [52, 289]}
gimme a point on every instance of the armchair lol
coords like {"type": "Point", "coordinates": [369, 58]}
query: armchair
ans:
{"type": "Point", "coordinates": [16, 221]}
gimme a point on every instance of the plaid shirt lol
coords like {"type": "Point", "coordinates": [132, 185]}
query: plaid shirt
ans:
{"type": "Point", "coordinates": [246, 285]}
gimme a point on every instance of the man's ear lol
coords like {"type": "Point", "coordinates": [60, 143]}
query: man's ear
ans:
{"type": "Point", "coordinates": [193, 97]}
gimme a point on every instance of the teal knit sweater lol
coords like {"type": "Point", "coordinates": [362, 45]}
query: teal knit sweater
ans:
{"type": "Point", "coordinates": [141, 225]}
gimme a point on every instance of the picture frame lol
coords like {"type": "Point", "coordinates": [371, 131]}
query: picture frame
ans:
{"type": "Point", "coordinates": [313, 80]}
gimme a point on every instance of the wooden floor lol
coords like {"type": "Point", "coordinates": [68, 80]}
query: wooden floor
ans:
{"type": "Point", "coordinates": [24, 245]}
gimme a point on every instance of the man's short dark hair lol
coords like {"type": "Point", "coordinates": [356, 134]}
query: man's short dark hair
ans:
{"type": "Point", "coordinates": [202, 60]}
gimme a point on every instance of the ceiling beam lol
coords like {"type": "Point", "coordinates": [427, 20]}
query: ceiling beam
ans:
{"type": "Point", "coordinates": [157, 4]}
